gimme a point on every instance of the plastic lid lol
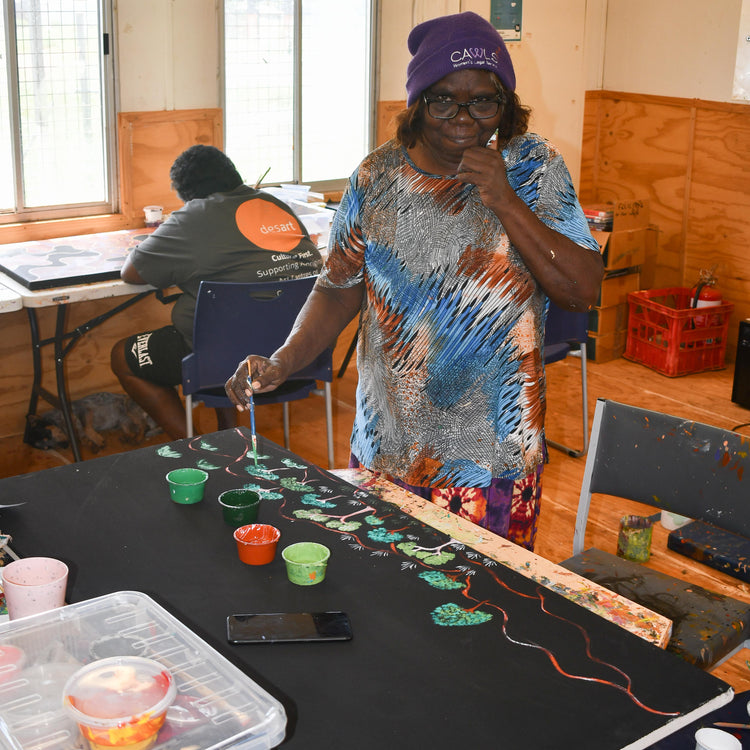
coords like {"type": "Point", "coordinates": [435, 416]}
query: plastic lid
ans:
{"type": "Point", "coordinates": [118, 690]}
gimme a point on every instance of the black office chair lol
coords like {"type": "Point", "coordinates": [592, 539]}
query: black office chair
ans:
{"type": "Point", "coordinates": [680, 466]}
{"type": "Point", "coordinates": [565, 335]}
{"type": "Point", "coordinates": [233, 320]}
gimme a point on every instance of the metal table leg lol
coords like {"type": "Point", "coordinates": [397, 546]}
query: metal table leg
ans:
{"type": "Point", "coordinates": [60, 400]}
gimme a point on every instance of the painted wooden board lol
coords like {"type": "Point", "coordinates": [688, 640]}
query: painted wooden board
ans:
{"type": "Point", "coordinates": [67, 261]}
{"type": "Point", "coordinates": [714, 547]}
{"type": "Point", "coordinates": [639, 620]}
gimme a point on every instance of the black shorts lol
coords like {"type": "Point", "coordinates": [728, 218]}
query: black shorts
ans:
{"type": "Point", "coordinates": [157, 356]}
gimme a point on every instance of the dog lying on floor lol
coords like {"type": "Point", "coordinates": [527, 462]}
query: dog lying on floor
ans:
{"type": "Point", "coordinates": [92, 415]}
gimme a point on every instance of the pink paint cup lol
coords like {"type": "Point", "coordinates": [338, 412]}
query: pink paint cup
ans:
{"type": "Point", "coordinates": [33, 585]}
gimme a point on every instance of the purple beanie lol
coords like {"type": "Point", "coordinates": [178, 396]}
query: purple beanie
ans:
{"type": "Point", "coordinates": [450, 43]}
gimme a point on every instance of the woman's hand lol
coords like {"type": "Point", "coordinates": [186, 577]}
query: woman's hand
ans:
{"type": "Point", "coordinates": [485, 168]}
{"type": "Point", "coordinates": [267, 375]}
{"type": "Point", "coordinates": [570, 275]}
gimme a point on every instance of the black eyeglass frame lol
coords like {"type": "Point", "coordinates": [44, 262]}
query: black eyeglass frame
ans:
{"type": "Point", "coordinates": [465, 105]}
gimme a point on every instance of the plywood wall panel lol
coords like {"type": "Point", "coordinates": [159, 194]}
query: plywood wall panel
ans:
{"type": "Point", "coordinates": [643, 149]}
{"type": "Point", "coordinates": [149, 142]}
{"type": "Point", "coordinates": [719, 217]}
{"type": "Point", "coordinates": [691, 158]}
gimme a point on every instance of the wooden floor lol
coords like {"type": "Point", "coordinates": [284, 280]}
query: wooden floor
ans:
{"type": "Point", "coordinates": [703, 397]}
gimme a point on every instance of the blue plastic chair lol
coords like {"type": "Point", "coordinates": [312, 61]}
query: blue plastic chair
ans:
{"type": "Point", "coordinates": [233, 320]}
{"type": "Point", "coordinates": [565, 335]}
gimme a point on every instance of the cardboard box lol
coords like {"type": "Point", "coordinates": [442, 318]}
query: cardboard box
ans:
{"type": "Point", "coordinates": [607, 347]}
{"type": "Point", "coordinates": [603, 320]}
{"type": "Point", "coordinates": [625, 245]}
{"type": "Point", "coordinates": [616, 285]}
{"type": "Point", "coordinates": [623, 249]}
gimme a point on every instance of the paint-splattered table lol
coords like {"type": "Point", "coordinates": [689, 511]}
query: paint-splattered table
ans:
{"type": "Point", "coordinates": [451, 649]}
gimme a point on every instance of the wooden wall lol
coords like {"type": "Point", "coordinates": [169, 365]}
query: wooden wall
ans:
{"type": "Point", "coordinates": [148, 144]}
{"type": "Point", "coordinates": [691, 159]}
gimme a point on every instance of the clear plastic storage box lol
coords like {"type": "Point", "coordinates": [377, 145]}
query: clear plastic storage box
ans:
{"type": "Point", "coordinates": [217, 706]}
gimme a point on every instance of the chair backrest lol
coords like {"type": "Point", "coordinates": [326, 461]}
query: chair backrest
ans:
{"type": "Point", "coordinates": [668, 462]}
{"type": "Point", "coordinates": [235, 319]}
{"type": "Point", "coordinates": [562, 328]}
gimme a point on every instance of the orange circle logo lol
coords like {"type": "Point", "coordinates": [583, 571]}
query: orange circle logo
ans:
{"type": "Point", "coordinates": [268, 226]}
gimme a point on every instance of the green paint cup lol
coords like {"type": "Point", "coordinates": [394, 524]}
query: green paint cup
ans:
{"type": "Point", "coordinates": [634, 539]}
{"type": "Point", "coordinates": [306, 562]}
{"type": "Point", "coordinates": [186, 486]}
{"type": "Point", "coordinates": [239, 507]}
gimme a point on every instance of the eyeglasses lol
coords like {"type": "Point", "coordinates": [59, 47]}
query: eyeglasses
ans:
{"type": "Point", "coordinates": [478, 109]}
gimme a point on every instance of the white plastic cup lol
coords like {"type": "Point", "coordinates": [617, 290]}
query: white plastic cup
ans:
{"type": "Point", "coordinates": [33, 585]}
{"type": "Point", "coordinates": [709, 738]}
{"type": "Point", "coordinates": [672, 521]}
{"type": "Point", "coordinates": [154, 215]}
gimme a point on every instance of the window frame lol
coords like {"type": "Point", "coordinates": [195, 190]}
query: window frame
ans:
{"type": "Point", "coordinates": [24, 214]}
{"type": "Point", "coordinates": [333, 184]}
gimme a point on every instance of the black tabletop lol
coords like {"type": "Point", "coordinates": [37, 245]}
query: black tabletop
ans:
{"type": "Point", "coordinates": [450, 649]}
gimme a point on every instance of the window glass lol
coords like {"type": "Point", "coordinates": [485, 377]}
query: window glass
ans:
{"type": "Point", "coordinates": [57, 137]}
{"type": "Point", "coordinates": [297, 83]}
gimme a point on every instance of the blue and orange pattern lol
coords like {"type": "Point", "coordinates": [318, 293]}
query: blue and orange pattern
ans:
{"type": "Point", "coordinates": [451, 386]}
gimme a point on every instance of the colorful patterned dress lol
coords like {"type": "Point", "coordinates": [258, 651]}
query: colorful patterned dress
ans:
{"type": "Point", "coordinates": [451, 389]}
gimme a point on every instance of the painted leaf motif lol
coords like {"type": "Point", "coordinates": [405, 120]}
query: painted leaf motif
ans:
{"type": "Point", "coordinates": [166, 452]}
{"type": "Point", "coordinates": [261, 472]}
{"type": "Point", "coordinates": [207, 446]}
{"type": "Point", "coordinates": [312, 499]}
{"type": "Point", "coordinates": [291, 464]}
{"type": "Point", "coordinates": [429, 556]}
{"type": "Point", "coordinates": [384, 536]}
{"type": "Point", "coordinates": [451, 615]}
{"type": "Point", "coordinates": [206, 465]}
{"type": "Point", "coordinates": [290, 483]}
{"type": "Point", "coordinates": [311, 515]}
{"type": "Point", "coordinates": [439, 580]}
{"type": "Point", "coordinates": [343, 525]}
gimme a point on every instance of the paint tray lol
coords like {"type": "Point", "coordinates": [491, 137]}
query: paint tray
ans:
{"type": "Point", "coordinates": [217, 706]}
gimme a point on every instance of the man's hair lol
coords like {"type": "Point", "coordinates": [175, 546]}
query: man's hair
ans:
{"type": "Point", "coordinates": [200, 171]}
{"type": "Point", "coordinates": [514, 120]}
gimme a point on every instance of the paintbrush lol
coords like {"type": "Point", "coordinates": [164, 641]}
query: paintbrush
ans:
{"type": "Point", "coordinates": [730, 725]}
{"type": "Point", "coordinates": [261, 178]}
{"type": "Point", "coordinates": [251, 405]}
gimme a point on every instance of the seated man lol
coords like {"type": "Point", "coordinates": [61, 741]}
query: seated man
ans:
{"type": "Point", "coordinates": [226, 231]}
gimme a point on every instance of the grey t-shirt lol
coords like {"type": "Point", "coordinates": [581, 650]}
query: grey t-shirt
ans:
{"type": "Point", "coordinates": [243, 235]}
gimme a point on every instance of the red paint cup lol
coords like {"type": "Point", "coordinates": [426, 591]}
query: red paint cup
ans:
{"type": "Point", "coordinates": [256, 543]}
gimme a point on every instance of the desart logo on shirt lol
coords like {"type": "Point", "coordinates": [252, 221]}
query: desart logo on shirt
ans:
{"type": "Point", "coordinates": [268, 226]}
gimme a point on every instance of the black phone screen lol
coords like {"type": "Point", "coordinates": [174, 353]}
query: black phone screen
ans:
{"type": "Point", "coordinates": [279, 627]}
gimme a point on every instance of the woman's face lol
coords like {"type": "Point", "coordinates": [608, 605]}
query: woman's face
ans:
{"type": "Point", "coordinates": [443, 142]}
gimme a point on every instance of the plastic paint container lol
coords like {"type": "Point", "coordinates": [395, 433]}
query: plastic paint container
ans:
{"type": "Point", "coordinates": [256, 543]}
{"type": "Point", "coordinates": [306, 562]}
{"type": "Point", "coordinates": [120, 702]}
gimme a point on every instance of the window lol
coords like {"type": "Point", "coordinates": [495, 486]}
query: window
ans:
{"type": "Point", "coordinates": [298, 88]}
{"type": "Point", "coordinates": [56, 109]}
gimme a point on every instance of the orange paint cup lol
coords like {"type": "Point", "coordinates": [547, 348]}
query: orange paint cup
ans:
{"type": "Point", "coordinates": [256, 543]}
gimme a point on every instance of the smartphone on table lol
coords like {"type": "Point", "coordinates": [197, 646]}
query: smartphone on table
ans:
{"type": "Point", "coordinates": [288, 627]}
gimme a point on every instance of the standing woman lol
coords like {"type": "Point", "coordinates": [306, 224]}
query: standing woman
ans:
{"type": "Point", "coordinates": [449, 241]}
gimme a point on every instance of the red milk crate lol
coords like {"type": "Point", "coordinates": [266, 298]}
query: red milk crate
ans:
{"type": "Point", "coordinates": [669, 336]}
